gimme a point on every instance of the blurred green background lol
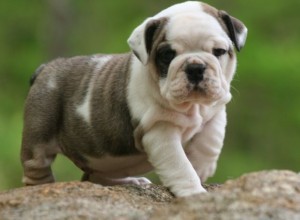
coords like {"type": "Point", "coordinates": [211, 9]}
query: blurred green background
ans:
{"type": "Point", "coordinates": [263, 118]}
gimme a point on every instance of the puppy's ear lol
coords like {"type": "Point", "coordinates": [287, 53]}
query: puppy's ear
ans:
{"type": "Point", "coordinates": [142, 39]}
{"type": "Point", "coordinates": [237, 31]}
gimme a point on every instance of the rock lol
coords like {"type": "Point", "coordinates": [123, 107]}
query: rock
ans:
{"type": "Point", "coordinates": [262, 195]}
{"type": "Point", "coordinates": [82, 200]}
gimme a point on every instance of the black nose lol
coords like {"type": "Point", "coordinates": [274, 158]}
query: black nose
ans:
{"type": "Point", "coordinates": [195, 72]}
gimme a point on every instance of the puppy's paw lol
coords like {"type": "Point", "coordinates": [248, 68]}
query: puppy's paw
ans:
{"type": "Point", "coordinates": [189, 192]}
{"type": "Point", "coordinates": [206, 170]}
{"type": "Point", "coordinates": [134, 180]}
{"type": "Point", "coordinates": [29, 181]}
{"type": "Point", "coordinates": [120, 181]}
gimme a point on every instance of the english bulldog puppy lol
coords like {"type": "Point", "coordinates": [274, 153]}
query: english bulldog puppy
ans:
{"type": "Point", "coordinates": [161, 106]}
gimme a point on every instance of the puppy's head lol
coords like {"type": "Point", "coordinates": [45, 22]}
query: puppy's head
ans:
{"type": "Point", "coordinates": [189, 50]}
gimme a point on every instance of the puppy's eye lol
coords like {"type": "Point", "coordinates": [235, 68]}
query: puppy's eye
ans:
{"type": "Point", "coordinates": [219, 52]}
{"type": "Point", "coordinates": [166, 55]}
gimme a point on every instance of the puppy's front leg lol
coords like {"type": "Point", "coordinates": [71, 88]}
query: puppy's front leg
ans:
{"type": "Point", "coordinates": [205, 147]}
{"type": "Point", "coordinates": [162, 144]}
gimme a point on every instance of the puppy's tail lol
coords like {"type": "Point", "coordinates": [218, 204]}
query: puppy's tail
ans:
{"type": "Point", "coordinates": [36, 73]}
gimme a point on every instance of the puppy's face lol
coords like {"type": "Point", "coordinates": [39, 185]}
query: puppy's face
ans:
{"type": "Point", "coordinates": [195, 62]}
{"type": "Point", "coordinates": [190, 52]}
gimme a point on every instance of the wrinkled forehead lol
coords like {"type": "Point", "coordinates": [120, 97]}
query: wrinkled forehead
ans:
{"type": "Point", "coordinates": [195, 30]}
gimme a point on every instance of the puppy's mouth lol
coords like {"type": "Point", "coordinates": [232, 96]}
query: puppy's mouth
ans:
{"type": "Point", "coordinates": [206, 91]}
{"type": "Point", "coordinates": [209, 88]}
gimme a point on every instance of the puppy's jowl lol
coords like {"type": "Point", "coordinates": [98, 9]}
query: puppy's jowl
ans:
{"type": "Point", "coordinates": [161, 106]}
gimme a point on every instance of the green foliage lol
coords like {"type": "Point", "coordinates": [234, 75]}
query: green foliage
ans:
{"type": "Point", "coordinates": [263, 118]}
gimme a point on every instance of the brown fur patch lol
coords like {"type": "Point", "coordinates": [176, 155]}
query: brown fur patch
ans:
{"type": "Point", "coordinates": [159, 37]}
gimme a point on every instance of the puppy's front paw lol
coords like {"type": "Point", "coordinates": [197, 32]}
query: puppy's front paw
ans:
{"type": "Point", "coordinates": [206, 170]}
{"type": "Point", "coordinates": [189, 192]}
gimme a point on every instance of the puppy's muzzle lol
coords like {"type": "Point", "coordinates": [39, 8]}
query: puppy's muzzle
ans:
{"type": "Point", "coordinates": [195, 72]}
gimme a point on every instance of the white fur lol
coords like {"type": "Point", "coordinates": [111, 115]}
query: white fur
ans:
{"type": "Point", "coordinates": [185, 7]}
{"type": "Point", "coordinates": [163, 145]}
{"type": "Point", "coordinates": [168, 131]}
{"type": "Point", "coordinates": [242, 37]}
{"type": "Point", "coordinates": [51, 83]}
{"type": "Point", "coordinates": [84, 109]}
{"type": "Point", "coordinates": [205, 147]}
{"type": "Point", "coordinates": [98, 178]}
{"type": "Point", "coordinates": [101, 61]}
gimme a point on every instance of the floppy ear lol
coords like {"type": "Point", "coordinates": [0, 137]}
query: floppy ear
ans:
{"type": "Point", "coordinates": [143, 37]}
{"type": "Point", "coordinates": [237, 31]}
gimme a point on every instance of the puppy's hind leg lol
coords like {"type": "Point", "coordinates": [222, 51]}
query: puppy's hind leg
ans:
{"type": "Point", "coordinates": [41, 123]}
{"type": "Point", "coordinates": [36, 163]}
{"type": "Point", "coordinates": [38, 151]}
